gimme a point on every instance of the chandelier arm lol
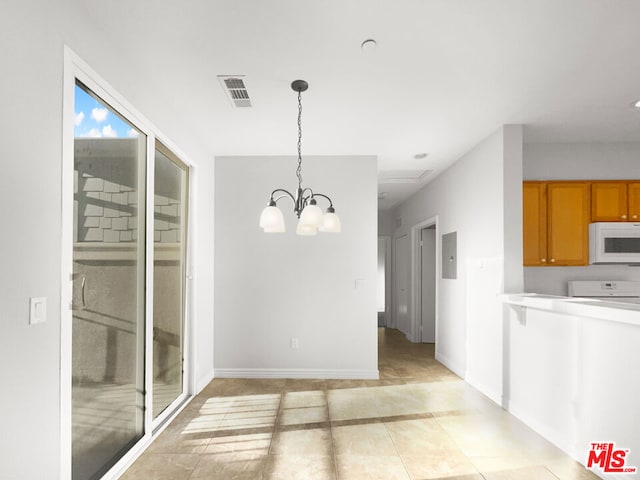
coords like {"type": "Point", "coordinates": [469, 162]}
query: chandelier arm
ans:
{"type": "Point", "coordinates": [302, 192]}
{"type": "Point", "coordinates": [324, 196]}
{"type": "Point", "coordinates": [286, 194]}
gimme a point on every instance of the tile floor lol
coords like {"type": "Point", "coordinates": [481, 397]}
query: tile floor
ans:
{"type": "Point", "coordinates": [419, 421]}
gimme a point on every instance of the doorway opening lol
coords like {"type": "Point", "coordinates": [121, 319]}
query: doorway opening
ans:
{"type": "Point", "coordinates": [383, 282]}
{"type": "Point", "coordinates": [426, 288]}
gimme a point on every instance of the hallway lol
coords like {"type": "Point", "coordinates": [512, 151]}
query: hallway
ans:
{"type": "Point", "coordinates": [419, 421]}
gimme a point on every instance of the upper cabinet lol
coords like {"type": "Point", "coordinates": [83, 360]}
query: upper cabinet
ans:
{"type": "Point", "coordinates": [556, 217]}
{"type": "Point", "coordinates": [568, 206]}
{"type": "Point", "coordinates": [534, 203]}
{"type": "Point", "coordinates": [609, 202]}
{"type": "Point", "coordinates": [616, 201]}
{"type": "Point", "coordinates": [634, 201]}
{"type": "Point", "coordinates": [556, 223]}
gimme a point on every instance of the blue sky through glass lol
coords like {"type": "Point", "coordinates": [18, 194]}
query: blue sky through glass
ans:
{"type": "Point", "coordinates": [93, 119]}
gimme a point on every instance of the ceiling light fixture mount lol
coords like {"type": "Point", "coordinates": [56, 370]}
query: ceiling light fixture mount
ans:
{"type": "Point", "coordinates": [311, 218]}
{"type": "Point", "coordinates": [369, 45]}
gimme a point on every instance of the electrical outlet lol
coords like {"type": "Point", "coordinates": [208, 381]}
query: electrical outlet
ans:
{"type": "Point", "coordinates": [295, 344]}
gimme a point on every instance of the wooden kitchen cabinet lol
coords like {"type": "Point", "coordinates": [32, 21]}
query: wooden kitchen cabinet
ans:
{"type": "Point", "coordinates": [534, 203]}
{"type": "Point", "coordinates": [634, 202]}
{"type": "Point", "coordinates": [556, 219]}
{"type": "Point", "coordinates": [609, 202]}
{"type": "Point", "coordinates": [615, 201]}
{"type": "Point", "coordinates": [568, 216]}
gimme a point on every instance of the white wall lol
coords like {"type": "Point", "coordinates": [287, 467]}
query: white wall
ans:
{"type": "Point", "coordinates": [581, 161]}
{"type": "Point", "coordinates": [578, 161]}
{"type": "Point", "coordinates": [32, 36]}
{"type": "Point", "coordinates": [270, 288]}
{"type": "Point", "coordinates": [469, 198]}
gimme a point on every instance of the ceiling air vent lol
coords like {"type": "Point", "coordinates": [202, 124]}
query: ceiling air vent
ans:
{"type": "Point", "coordinates": [235, 89]}
{"type": "Point", "coordinates": [403, 176]}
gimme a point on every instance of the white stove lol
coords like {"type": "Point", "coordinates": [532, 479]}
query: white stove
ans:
{"type": "Point", "coordinates": [610, 290]}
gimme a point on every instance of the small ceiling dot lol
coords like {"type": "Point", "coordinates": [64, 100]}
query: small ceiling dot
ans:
{"type": "Point", "coordinates": [369, 45]}
{"type": "Point", "coordinates": [420, 156]}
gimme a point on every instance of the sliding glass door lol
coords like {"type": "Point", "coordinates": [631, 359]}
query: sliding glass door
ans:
{"type": "Point", "coordinates": [108, 305]}
{"type": "Point", "coordinates": [127, 367]}
{"type": "Point", "coordinates": [170, 217]}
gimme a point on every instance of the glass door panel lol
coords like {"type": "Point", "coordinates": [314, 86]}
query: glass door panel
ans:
{"type": "Point", "coordinates": [109, 286]}
{"type": "Point", "coordinates": [170, 215]}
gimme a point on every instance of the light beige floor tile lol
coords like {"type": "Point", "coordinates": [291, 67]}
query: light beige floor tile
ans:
{"type": "Point", "coordinates": [421, 438]}
{"type": "Point", "coordinates": [162, 466]}
{"type": "Point", "coordinates": [497, 464]}
{"type": "Point", "coordinates": [530, 473]}
{"type": "Point", "coordinates": [371, 439]}
{"type": "Point", "coordinates": [314, 398]}
{"type": "Point", "coordinates": [426, 467]}
{"type": "Point", "coordinates": [299, 385]}
{"type": "Point", "coordinates": [247, 423]}
{"type": "Point", "coordinates": [342, 384]}
{"type": "Point", "coordinates": [303, 415]}
{"type": "Point", "coordinates": [473, 476]}
{"type": "Point", "coordinates": [229, 465]}
{"type": "Point", "coordinates": [300, 467]}
{"type": "Point", "coordinates": [255, 444]}
{"type": "Point", "coordinates": [568, 469]}
{"type": "Point", "coordinates": [480, 435]}
{"type": "Point", "coordinates": [177, 443]}
{"type": "Point", "coordinates": [373, 402]}
{"type": "Point", "coordinates": [198, 425]}
{"type": "Point", "coordinates": [360, 467]}
{"type": "Point", "coordinates": [308, 442]}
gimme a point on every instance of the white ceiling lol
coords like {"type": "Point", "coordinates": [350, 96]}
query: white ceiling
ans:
{"type": "Point", "coordinates": [445, 74]}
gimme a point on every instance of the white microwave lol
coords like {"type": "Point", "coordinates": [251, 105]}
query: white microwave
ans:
{"type": "Point", "coordinates": [614, 242]}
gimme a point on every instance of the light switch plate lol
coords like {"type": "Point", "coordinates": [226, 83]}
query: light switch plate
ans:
{"type": "Point", "coordinates": [37, 310]}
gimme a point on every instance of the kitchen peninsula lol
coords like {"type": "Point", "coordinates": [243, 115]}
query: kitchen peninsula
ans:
{"type": "Point", "coordinates": [577, 362]}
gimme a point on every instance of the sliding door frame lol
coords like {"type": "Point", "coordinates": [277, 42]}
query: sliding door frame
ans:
{"type": "Point", "coordinates": [156, 423]}
{"type": "Point", "coordinates": [76, 69]}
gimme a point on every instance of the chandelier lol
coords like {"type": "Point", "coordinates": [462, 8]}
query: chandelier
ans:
{"type": "Point", "coordinates": [311, 219]}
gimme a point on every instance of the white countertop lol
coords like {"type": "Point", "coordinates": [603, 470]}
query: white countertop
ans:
{"type": "Point", "coordinates": [581, 307]}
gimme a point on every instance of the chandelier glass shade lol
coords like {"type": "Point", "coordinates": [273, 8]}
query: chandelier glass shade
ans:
{"type": "Point", "coordinates": [311, 219]}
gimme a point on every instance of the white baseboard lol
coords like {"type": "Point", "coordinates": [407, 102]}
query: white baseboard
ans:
{"type": "Point", "coordinates": [457, 369]}
{"type": "Point", "coordinates": [296, 373]}
{"type": "Point", "coordinates": [558, 438]}
{"type": "Point", "coordinates": [203, 381]}
{"type": "Point", "coordinates": [494, 395]}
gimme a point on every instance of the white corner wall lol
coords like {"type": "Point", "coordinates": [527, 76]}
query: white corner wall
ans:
{"type": "Point", "coordinates": [479, 197]}
{"type": "Point", "coordinates": [32, 37]}
{"type": "Point", "coordinates": [270, 288]}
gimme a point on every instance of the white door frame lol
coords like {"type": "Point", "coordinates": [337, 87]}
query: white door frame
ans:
{"type": "Point", "coordinates": [416, 278]}
{"type": "Point", "coordinates": [388, 293]}
{"type": "Point", "coordinates": [76, 68]}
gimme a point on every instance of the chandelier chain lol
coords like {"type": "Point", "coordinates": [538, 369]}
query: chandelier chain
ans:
{"type": "Point", "coordinates": [299, 169]}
